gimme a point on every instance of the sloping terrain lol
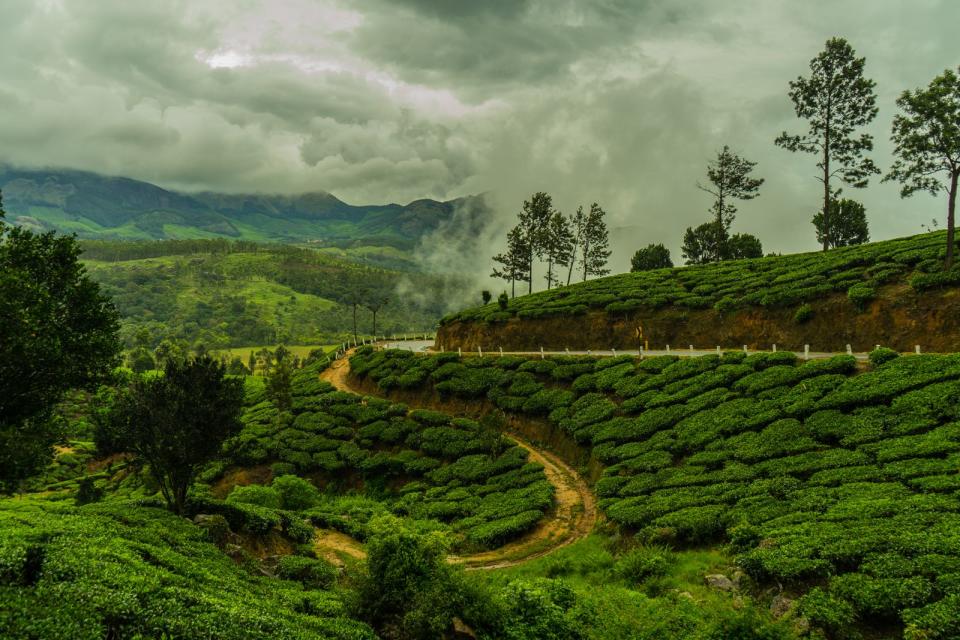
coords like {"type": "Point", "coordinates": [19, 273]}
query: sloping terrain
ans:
{"type": "Point", "coordinates": [95, 206]}
{"type": "Point", "coordinates": [892, 293]}
{"type": "Point", "coordinates": [840, 485]}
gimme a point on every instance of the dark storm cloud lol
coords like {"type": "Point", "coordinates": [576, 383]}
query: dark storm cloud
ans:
{"type": "Point", "coordinates": [616, 101]}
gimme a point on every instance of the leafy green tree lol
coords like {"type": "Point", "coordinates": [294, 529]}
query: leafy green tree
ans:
{"type": "Point", "coordinates": [700, 243]}
{"type": "Point", "coordinates": [835, 100]}
{"type": "Point", "coordinates": [279, 380]}
{"type": "Point", "coordinates": [166, 351]}
{"type": "Point", "coordinates": [177, 422]}
{"type": "Point", "coordinates": [730, 180]}
{"type": "Point", "coordinates": [653, 256]}
{"type": "Point", "coordinates": [743, 245]}
{"type": "Point", "coordinates": [513, 264]}
{"type": "Point", "coordinates": [235, 367]}
{"type": "Point", "coordinates": [594, 244]}
{"type": "Point", "coordinates": [503, 301]}
{"type": "Point", "coordinates": [58, 332]}
{"type": "Point", "coordinates": [927, 139]}
{"type": "Point", "coordinates": [848, 224]}
{"type": "Point", "coordinates": [486, 296]}
{"type": "Point", "coordinates": [557, 246]}
{"type": "Point", "coordinates": [141, 360]}
{"type": "Point", "coordinates": [409, 591]}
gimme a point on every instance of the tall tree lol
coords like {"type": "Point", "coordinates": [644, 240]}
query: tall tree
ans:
{"type": "Point", "coordinates": [177, 422]}
{"type": "Point", "coordinates": [513, 264]}
{"type": "Point", "coordinates": [594, 244]}
{"type": "Point", "coordinates": [280, 380]}
{"type": "Point", "coordinates": [927, 139]}
{"type": "Point", "coordinates": [835, 100]}
{"type": "Point", "coordinates": [578, 223]}
{"type": "Point", "coordinates": [730, 180]}
{"type": "Point", "coordinates": [57, 332]}
{"type": "Point", "coordinates": [653, 256]}
{"type": "Point", "coordinates": [557, 246]}
{"type": "Point", "coordinates": [376, 301]}
{"type": "Point", "coordinates": [534, 220]}
{"type": "Point", "coordinates": [848, 223]}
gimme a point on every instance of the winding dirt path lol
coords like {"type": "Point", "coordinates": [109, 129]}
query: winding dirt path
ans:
{"type": "Point", "coordinates": [572, 517]}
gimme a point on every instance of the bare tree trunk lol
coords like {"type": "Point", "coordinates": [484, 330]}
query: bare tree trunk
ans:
{"type": "Point", "coordinates": [951, 208]}
{"type": "Point", "coordinates": [549, 272]}
{"type": "Point", "coordinates": [826, 185]}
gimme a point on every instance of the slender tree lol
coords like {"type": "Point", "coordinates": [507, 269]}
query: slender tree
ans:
{"type": "Point", "coordinates": [557, 247]}
{"type": "Point", "coordinates": [578, 224]}
{"type": "Point", "coordinates": [848, 223]}
{"type": "Point", "coordinates": [730, 180]}
{"type": "Point", "coordinates": [835, 100]}
{"type": "Point", "coordinates": [927, 139]}
{"type": "Point", "coordinates": [513, 265]}
{"type": "Point", "coordinates": [375, 303]}
{"type": "Point", "coordinates": [279, 381]}
{"type": "Point", "coordinates": [534, 220]}
{"type": "Point", "coordinates": [594, 244]}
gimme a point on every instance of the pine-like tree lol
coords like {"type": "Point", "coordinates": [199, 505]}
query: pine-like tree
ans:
{"type": "Point", "coordinates": [578, 223]}
{"type": "Point", "coordinates": [513, 264]}
{"type": "Point", "coordinates": [836, 99]}
{"type": "Point", "coordinates": [730, 180]}
{"type": "Point", "coordinates": [557, 247]}
{"type": "Point", "coordinates": [534, 220]}
{"type": "Point", "coordinates": [594, 244]}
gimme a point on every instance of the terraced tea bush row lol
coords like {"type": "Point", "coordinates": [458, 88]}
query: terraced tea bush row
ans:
{"type": "Point", "coordinates": [781, 281]}
{"type": "Point", "coordinates": [121, 571]}
{"type": "Point", "coordinates": [815, 472]}
{"type": "Point", "coordinates": [425, 465]}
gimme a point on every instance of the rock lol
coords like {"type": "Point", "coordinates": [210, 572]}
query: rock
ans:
{"type": "Point", "coordinates": [462, 630]}
{"type": "Point", "coordinates": [780, 606]}
{"type": "Point", "coordinates": [216, 526]}
{"type": "Point", "coordinates": [720, 581]}
{"type": "Point", "coordinates": [738, 578]}
{"type": "Point", "coordinates": [235, 552]}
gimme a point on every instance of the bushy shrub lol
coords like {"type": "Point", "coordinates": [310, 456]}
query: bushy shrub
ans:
{"type": "Point", "coordinates": [312, 573]}
{"type": "Point", "coordinates": [881, 355]}
{"type": "Point", "coordinates": [296, 493]}
{"type": "Point", "coordinates": [642, 563]}
{"type": "Point", "coordinates": [803, 314]}
{"type": "Point", "coordinates": [256, 494]}
{"type": "Point", "coordinates": [860, 294]}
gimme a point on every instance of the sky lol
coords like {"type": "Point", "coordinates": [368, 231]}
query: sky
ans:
{"type": "Point", "coordinates": [621, 102]}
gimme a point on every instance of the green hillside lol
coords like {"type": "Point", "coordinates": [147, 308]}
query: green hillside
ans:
{"type": "Point", "coordinates": [223, 294]}
{"type": "Point", "coordinates": [95, 206]}
{"type": "Point", "coordinates": [772, 282]}
{"type": "Point", "coordinates": [840, 485]}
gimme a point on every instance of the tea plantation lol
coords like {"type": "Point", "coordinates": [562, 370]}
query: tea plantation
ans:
{"type": "Point", "coordinates": [448, 472]}
{"type": "Point", "coordinates": [121, 570]}
{"type": "Point", "coordinates": [842, 486]}
{"type": "Point", "coordinates": [776, 281]}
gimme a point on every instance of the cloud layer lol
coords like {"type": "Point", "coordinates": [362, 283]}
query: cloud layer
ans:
{"type": "Point", "coordinates": [616, 101]}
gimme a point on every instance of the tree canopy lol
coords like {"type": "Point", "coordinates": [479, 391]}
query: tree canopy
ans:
{"type": "Point", "coordinates": [927, 139]}
{"type": "Point", "coordinates": [836, 99]}
{"type": "Point", "coordinates": [59, 332]}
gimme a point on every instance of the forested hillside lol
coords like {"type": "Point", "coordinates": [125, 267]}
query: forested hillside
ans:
{"type": "Point", "coordinates": [95, 206]}
{"type": "Point", "coordinates": [894, 293]}
{"type": "Point", "coordinates": [220, 293]}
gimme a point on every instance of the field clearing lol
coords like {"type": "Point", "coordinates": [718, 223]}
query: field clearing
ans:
{"type": "Point", "coordinates": [301, 351]}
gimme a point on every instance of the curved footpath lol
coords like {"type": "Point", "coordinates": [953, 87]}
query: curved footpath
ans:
{"type": "Point", "coordinates": [573, 516]}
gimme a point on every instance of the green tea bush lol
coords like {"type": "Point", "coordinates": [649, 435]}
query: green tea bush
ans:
{"type": "Point", "coordinates": [881, 355]}
{"type": "Point", "coordinates": [803, 314]}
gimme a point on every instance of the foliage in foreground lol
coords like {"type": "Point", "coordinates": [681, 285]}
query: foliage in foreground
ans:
{"type": "Point", "coordinates": [121, 570]}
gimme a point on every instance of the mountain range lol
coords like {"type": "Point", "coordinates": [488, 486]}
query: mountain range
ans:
{"type": "Point", "coordinates": [97, 206]}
